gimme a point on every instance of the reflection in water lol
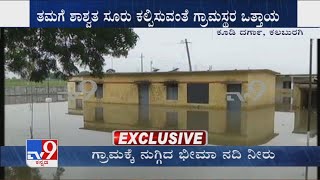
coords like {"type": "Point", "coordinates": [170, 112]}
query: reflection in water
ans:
{"type": "Point", "coordinates": [301, 119]}
{"type": "Point", "coordinates": [172, 120]}
{"type": "Point", "coordinates": [255, 127]}
{"type": "Point", "coordinates": [198, 120]}
{"type": "Point", "coordinates": [143, 118]}
{"type": "Point", "coordinates": [251, 127]}
{"type": "Point", "coordinates": [234, 122]}
{"type": "Point", "coordinates": [99, 114]}
{"type": "Point", "coordinates": [301, 122]}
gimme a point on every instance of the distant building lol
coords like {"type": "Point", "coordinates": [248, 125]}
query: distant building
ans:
{"type": "Point", "coordinates": [197, 89]}
{"type": "Point", "coordinates": [292, 91]}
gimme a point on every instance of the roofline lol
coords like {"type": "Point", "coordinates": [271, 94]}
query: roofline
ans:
{"type": "Point", "coordinates": [184, 72]}
{"type": "Point", "coordinates": [307, 75]}
{"type": "Point", "coordinates": [306, 83]}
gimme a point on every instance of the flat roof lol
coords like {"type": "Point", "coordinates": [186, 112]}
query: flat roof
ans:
{"type": "Point", "coordinates": [300, 75]}
{"type": "Point", "coordinates": [184, 72]}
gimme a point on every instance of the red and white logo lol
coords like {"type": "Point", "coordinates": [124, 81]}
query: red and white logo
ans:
{"type": "Point", "coordinates": [42, 152]}
{"type": "Point", "coordinates": [163, 138]}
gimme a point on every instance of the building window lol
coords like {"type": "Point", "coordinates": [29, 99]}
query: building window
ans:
{"type": "Point", "coordinates": [287, 85]}
{"type": "Point", "coordinates": [172, 92]}
{"type": "Point", "coordinates": [99, 91]}
{"type": "Point", "coordinates": [99, 114]}
{"type": "Point", "coordinates": [78, 103]}
{"type": "Point", "coordinates": [286, 100]}
{"type": "Point", "coordinates": [198, 93]}
{"type": "Point", "coordinates": [172, 120]}
{"type": "Point", "coordinates": [78, 88]}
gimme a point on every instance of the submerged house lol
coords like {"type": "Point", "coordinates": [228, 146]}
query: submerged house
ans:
{"type": "Point", "coordinates": [292, 91]}
{"type": "Point", "coordinates": [229, 90]}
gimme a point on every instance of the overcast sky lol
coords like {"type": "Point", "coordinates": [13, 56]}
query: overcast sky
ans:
{"type": "Point", "coordinates": [163, 47]}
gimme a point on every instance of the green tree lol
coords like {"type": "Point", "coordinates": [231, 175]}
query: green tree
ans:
{"type": "Point", "coordinates": [35, 53]}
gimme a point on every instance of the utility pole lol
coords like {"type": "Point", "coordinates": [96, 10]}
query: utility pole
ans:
{"type": "Point", "coordinates": [309, 102]}
{"type": "Point", "coordinates": [49, 117]}
{"type": "Point", "coordinates": [2, 45]}
{"type": "Point", "coordinates": [188, 53]}
{"type": "Point", "coordinates": [111, 63]}
{"type": "Point", "coordinates": [151, 66]}
{"type": "Point", "coordinates": [310, 93]}
{"type": "Point", "coordinates": [141, 62]}
{"type": "Point", "coordinates": [31, 95]}
{"type": "Point", "coordinates": [48, 86]}
{"type": "Point", "coordinates": [318, 59]}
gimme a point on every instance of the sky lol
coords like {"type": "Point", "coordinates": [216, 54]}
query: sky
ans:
{"type": "Point", "coordinates": [163, 47]}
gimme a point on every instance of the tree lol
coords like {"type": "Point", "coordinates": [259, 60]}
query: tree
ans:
{"type": "Point", "coordinates": [59, 172]}
{"type": "Point", "coordinates": [22, 173]}
{"type": "Point", "coordinates": [35, 53]}
{"type": "Point", "coordinates": [55, 76]}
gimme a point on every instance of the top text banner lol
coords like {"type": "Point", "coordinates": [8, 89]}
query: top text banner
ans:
{"type": "Point", "coordinates": [163, 13]}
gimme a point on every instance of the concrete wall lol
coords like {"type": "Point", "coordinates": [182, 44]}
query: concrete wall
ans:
{"type": "Point", "coordinates": [300, 94]}
{"type": "Point", "coordinates": [260, 124]}
{"type": "Point", "coordinates": [268, 97]}
{"type": "Point", "coordinates": [123, 93]}
{"type": "Point", "coordinates": [71, 86]}
{"type": "Point", "coordinates": [296, 97]}
{"type": "Point", "coordinates": [280, 91]}
{"type": "Point", "coordinates": [122, 89]}
{"type": "Point", "coordinates": [26, 94]}
{"type": "Point", "coordinates": [301, 121]}
{"type": "Point", "coordinates": [295, 93]}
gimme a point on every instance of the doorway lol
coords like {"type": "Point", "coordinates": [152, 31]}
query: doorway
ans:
{"type": "Point", "coordinates": [234, 109]}
{"type": "Point", "coordinates": [143, 90]}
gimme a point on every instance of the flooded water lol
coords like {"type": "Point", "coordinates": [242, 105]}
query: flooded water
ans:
{"type": "Point", "coordinates": [255, 127]}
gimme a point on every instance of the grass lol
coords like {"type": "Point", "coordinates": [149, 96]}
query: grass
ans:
{"type": "Point", "coordinates": [20, 82]}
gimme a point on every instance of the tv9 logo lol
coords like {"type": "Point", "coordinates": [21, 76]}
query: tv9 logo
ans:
{"type": "Point", "coordinates": [87, 94]}
{"type": "Point", "coordinates": [254, 92]}
{"type": "Point", "coordinates": [42, 152]}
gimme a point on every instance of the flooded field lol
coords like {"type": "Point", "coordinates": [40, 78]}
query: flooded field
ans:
{"type": "Point", "coordinates": [256, 127]}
